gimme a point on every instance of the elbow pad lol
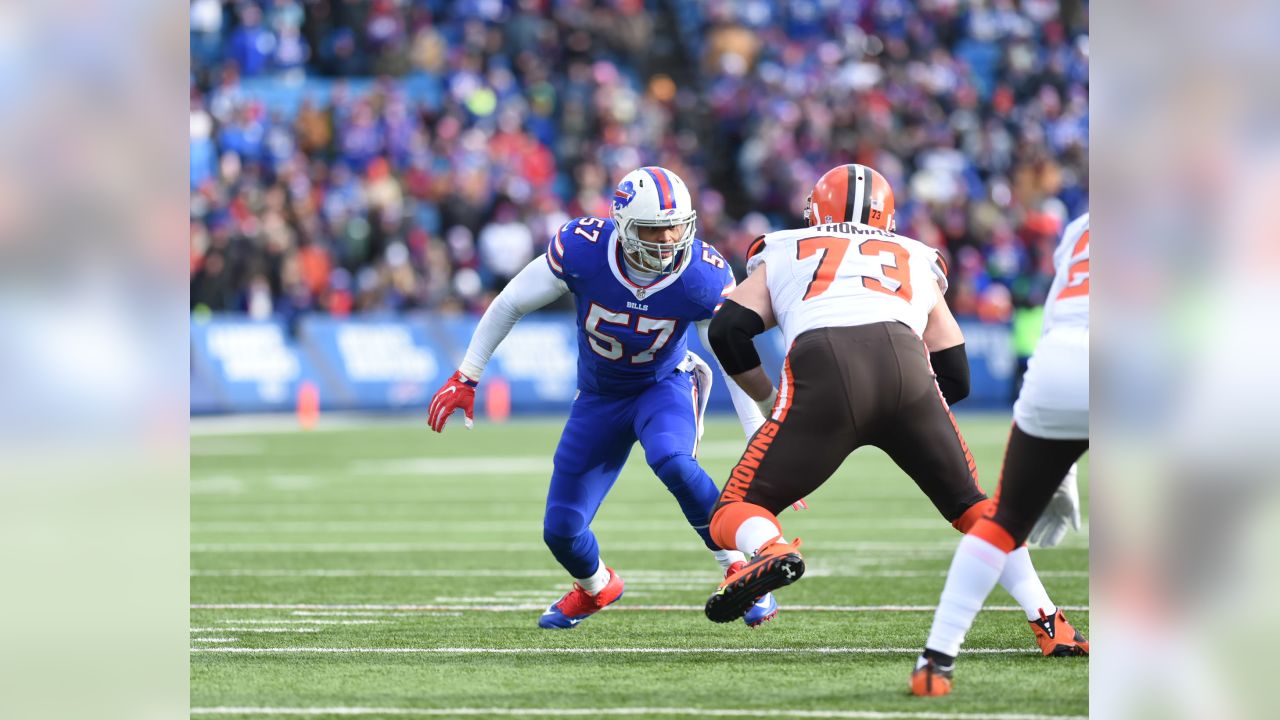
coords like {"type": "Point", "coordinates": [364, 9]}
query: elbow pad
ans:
{"type": "Point", "coordinates": [730, 333]}
{"type": "Point", "coordinates": [951, 366]}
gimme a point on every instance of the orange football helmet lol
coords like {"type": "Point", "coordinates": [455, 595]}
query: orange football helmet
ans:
{"type": "Point", "coordinates": [851, 193]}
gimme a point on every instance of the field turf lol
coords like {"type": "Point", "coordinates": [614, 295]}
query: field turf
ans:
{"type": "Point", "coordinates": [375, 569]}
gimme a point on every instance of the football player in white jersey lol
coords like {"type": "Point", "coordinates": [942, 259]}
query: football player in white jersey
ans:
{"type": "Point", "coordinates": [1050, 433]}
{"type": "Point", "coordinates": [874, 357]}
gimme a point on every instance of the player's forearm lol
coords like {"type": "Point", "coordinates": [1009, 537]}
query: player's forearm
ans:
{"type": "Point", "coordinates": [533, 288]}
{"type": "Point", "coordinates": [749, 413]}
{"type": "Point", "coordinates": [754, 383]}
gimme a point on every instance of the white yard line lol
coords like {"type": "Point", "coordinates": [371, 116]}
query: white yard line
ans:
{"type": "Point", "coordinates": [455, 466]}
{"type": "Point", "coordinates": [939, 546]}
{"type": "Point", "coordinates": [599, 711]}
{"type": "Point", "coordinates": [653, 579]}
{"type": "Point", "coordinates": [245, 621]}
{"type": "Point", "coordinates": [604, 651]}
{"type": "Point", "coordinates": [615, 608]}
{"type": "Point", "coordinates": [349, 613]}
{"type": "Point", "coordinates": [214, 640]}
{"type": "Point", "coordinates": [256, 629]}
{"type": "Point", "coordinates": [360, 527]}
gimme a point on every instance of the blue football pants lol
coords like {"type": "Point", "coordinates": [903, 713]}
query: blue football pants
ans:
{"type": "Point", "coordinates": [593, 448]}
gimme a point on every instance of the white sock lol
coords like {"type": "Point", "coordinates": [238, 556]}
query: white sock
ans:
{"type": "Point", "coordinates": [974, 571]}
{"type": "Point", "coordinates": [597, 581]}
{"type": "Point", "coordinates": [753, 533]}
{"type": "Point", "coordinates": [1022, 582]}
{"type": "Point", "coordinates": [728, 557]}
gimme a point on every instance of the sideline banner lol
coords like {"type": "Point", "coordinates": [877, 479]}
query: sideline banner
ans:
{"type": "Point", "coordinates": [396, 363]}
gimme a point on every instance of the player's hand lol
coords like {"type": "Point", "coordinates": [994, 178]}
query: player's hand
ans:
{"type": "Point", "coordinates": [458, 392]}
{"type": "Point", "coordinates": [1062, 512]}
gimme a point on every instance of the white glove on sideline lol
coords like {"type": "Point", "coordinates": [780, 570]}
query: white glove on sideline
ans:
{"type": "Point", "coordinates": [1062, 512]}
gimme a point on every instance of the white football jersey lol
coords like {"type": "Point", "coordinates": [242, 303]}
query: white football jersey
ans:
{"type": "Point", "coordinates": [844, 274]}
{"type": "Point", "coordinates": [1068, 301]}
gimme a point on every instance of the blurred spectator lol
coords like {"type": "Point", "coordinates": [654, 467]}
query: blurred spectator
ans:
{"type": "Point", "coordinates": [378, 155]}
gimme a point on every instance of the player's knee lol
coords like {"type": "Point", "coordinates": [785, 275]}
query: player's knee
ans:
{"type": "Point", "coordinates": [985, 507]}
{"type": "Point", "coordinates": [561, 522]}
{"type": "Point", "coordinates": [677, 470]}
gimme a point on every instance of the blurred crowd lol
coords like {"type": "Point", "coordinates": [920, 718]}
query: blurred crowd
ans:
{"type": "Point", "coordinates": [447, 141]}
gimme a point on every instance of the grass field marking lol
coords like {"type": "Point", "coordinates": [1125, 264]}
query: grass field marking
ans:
{"type": "Point", "coordinates": [673, 711]}
{"type": "Point", "coordinates": [214, 640]}
{"type": "Point", "coordinates": [615, 608]}
{"type": "Point", "coordinates": [348, 613]}
{"type": "Point", "coordinates": [604, 651]}
{"type": "Point", "coordinates": [655, 580]}
{"type": "Point", "coordinates": [278, 621]}
{"type": "Point", "coordinates": [453, 467]}
{"type": "Point", "coordinates": [255, 629]}
{"type": "Point", "coordinates": [361, 527]}
{"type": "Point", "coordinates": [913, 547]}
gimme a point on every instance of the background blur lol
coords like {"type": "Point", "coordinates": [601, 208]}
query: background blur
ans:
{"type": "Point", "coordinates": [396, 162]}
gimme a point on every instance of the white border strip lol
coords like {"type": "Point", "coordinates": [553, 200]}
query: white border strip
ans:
{"type": "Point", "coordinates": [595, 711]}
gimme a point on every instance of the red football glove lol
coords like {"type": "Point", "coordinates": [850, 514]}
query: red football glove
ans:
{"type": "Point", "coordinates": [458, 392]}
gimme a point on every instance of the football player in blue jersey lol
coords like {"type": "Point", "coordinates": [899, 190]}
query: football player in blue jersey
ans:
{"type": "Point", "coordinates": [638, 278]}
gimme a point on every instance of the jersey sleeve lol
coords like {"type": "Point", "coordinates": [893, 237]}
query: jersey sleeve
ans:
{"type": "Point", "coordinates": [939, 268]}
{"type": "Point", "coordinates": [715, 282]}
{"type": "Point", "coordinates": [755, 254]}
{"type": "Point", "coordinates": [555, 252]}
{"type": "Point", "coordinates": [575, 250]}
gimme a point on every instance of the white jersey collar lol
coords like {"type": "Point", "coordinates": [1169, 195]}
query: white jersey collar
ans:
{"type": "Point", "coordinates": [642, 291]}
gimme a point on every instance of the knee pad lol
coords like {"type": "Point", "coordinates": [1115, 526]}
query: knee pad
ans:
{"type": "Point", "coordinates": [562, 521]}
{"type": "Point", "coordinates": [678, 470]}
{"type": "Point", "coordinates": [983, 508]}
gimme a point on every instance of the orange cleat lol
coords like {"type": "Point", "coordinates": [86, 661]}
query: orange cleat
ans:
{"type": "Point", "coordinates": [774, 566]}
{"type": "Point", "coordinates": [1057, 638]}
{"type": "Point", "coordinates": [931, 680]}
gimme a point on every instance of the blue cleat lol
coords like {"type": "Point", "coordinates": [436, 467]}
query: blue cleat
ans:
{"type": "Point", "coordinates": [577, 605]}
{"type": "Point", "coordinates": [764, 609]}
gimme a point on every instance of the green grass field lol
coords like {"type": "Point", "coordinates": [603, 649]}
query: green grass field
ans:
{"type": "Point", "coordinates": [379, 570]}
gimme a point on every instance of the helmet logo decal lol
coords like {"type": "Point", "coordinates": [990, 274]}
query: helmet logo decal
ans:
{"type": "Point", "coordinates": [623, 194]}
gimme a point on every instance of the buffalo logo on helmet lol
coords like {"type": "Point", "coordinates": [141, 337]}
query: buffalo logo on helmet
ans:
{"type": "Point", "coordinates": [623, 194]}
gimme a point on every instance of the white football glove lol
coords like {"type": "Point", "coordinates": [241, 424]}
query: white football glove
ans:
{"type": "Point", "coordinates": [1063, 511]}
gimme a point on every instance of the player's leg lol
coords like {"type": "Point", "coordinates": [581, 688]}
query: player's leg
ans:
{"type": "Point", "coordinates": [925, 441]}
{"type": "Point", "coordinates": [794, 452]}
{"type": "Point", "coordinates": [1032, 470]}
{"type": "Point", "coordinates": [667, 418]}
{"type": "Point", "coordinates": [1049, 434]}
{"type": "Point", "coordinates": [666, 424]}
{"type": "Point", "coordinates": [593, 448]}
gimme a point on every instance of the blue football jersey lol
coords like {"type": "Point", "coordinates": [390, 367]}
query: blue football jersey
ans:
{"type": "Point", "coordinates": [630, 336]}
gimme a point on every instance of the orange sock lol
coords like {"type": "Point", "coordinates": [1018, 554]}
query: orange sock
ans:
{"type": "Point", "coordinates": [977, 511]}
{"type": "Point", "coordinates": [744, 526]}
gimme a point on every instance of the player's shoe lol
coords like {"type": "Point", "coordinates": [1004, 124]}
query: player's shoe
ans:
{"type": "Point", "coordinates": [1056, 636]}
{"type": "Point", "coordinates": [931, 679]}
{"type": "Point", "coordinates": [763, 609]}
{"type": "Point", "coordinates": [578, 605]}
{"type": "Point", "coordinates": [774, 566]}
